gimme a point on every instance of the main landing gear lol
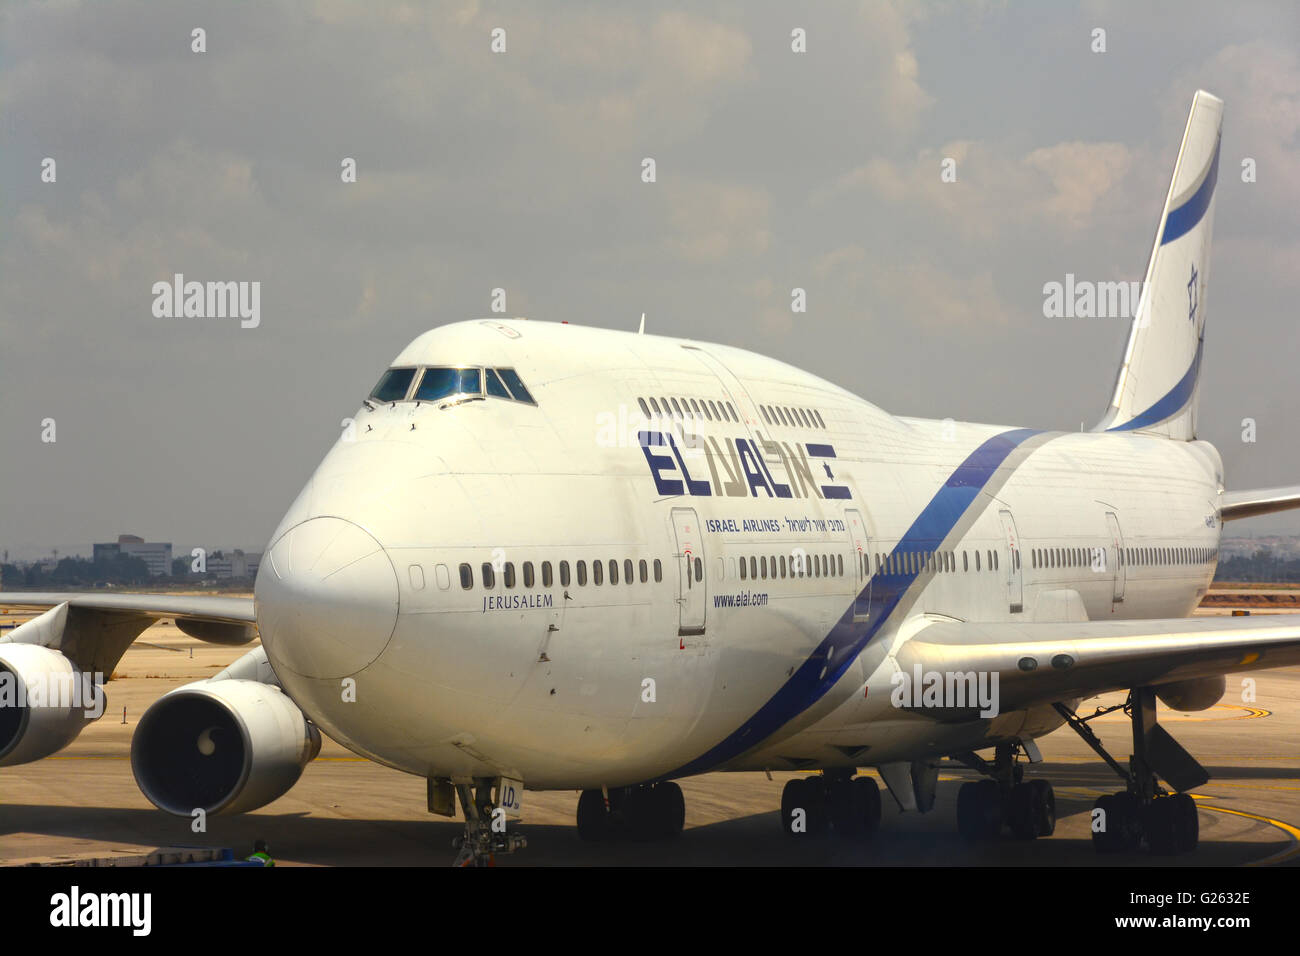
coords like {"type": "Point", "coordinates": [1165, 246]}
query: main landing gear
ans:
{"type": "Point", "coordinates": [834, 799]}
{"type": "Point", "coordinates": [488, 832]}
{"type": "Point", "coordinates": [1144, 812]}
{"type": "Point", "coordinates": [1026, 807]}
{"type": "Point", "coordinates": [643, 813]}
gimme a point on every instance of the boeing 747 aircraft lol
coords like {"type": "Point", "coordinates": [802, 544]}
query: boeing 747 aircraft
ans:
{"type": "Point", "coordinates": [551, 557]}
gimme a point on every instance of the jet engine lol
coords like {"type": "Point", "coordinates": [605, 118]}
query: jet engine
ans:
{"type": "Point", "coordinates": [1201, 693]}
{"type": "Point", "coordinates": [45, 702]}
{"type": "Point", "coordinates": [221, 745]}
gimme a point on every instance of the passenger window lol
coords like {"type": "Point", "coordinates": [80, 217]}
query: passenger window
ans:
{"type": "Point", "coordinates": [645, 409]}
{"type": "Point", "coordinates": [766, 417]}
{"type": "Point", "coordinates": [466, 576]}
{"type": "Point", "coordinates": [699, 569]}
{"type": "Point", "coordinates": [393, 385]}
{"type": "Point", "coordinates": [731, 413]}
{"type": "Point", "coordinates": [547, 578]}
{"type": "Point", "coordinates": [708, 412]}
{"type": "Point", "coordinates": [654, 405]}
{"type": "Point", "coordinates": [564, 574]}
{"type": "Point", "coordinates": [695, 408]}
{"type": "Point", "coordinates": [627, 571]}
{"type": "Point", "coordinates": [642, 568]}
{"type": "Point", "coordinates": [582, 573]}
{"type": "Point", "coordinates": [744, 573]}
{"type": "Point", "coordinates": [762, 566]}
{"type": "Point", "coordinates": [597, 573]}
{"type": "Point", "coordinates": [439, 383]}
{"type": "Point", "coordinates": [659, 571]}
{"type": "Point", "coordinates": [613, 571]}
{"type": "Point", "coordinates": [717, 413]}
{"type": "Point", "coordinates": [783, 565]}
{"type": "Point", "coordinates": [677, 409]}
{"type": "Point", "coordinates": [489, 577]}
{"type": "Point", "coordinates": [443, 576]}
{"type": "Point", "coordinates": [528, 574]}
{"type": "Point", "coordinates": [839, 563]}
{"type": "Point", "coordinates": [977, 560]}
{"type": "Point", "coordinates": [516, 386]}
{"type": "Point", "coordinates": [510, 574]}
{"type": "Point", "coordinates": [753, 567]}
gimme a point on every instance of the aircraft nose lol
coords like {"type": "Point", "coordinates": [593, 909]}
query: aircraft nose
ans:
{"type": "Point", "coordinates": [327, 598]}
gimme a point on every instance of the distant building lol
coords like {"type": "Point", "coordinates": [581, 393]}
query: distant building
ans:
{"type": "Point", "coordinates": [233, 564]}
{"type": "Point", "coordinates": [156, 555]}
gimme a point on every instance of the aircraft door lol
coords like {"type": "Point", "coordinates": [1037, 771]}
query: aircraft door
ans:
{"type": "Point", "coordinates": [1015, 585]}
{"type": "Point", "coordinates": [1117, 542]}
{"type": "Point", "coordinates": [692, 582]}
{"type": "Point", "coordinates": [861, 556]}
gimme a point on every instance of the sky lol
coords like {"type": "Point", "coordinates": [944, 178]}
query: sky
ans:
{"type": "Point", "coordinates": [523, 170]}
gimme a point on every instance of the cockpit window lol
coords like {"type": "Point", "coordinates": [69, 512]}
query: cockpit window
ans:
{"type": "Point", "coordinates": [392, 387]}
{"type": "Point", "coordinates": [494, 386]}
{"type": "Point", "coordinates": [440, 382]}
{"type": "Point", "coordinates": [434, 383]}
{"type": "Point", "coordinates": [515, 385]}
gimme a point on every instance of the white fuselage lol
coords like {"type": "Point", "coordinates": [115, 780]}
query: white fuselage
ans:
{"type": "Point", "coordinates": [583, 684]}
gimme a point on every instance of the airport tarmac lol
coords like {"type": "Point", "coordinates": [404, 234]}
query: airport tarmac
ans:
{"type": "Point", "coordinates": [346, 810]}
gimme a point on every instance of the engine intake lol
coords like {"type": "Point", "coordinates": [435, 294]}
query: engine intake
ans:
{"type": "Point", "coordinates": [223, 746]}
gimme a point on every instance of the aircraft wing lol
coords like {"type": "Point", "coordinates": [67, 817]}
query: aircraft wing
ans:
{"type": "Point", "coordinates": [94, 630]}
{"type": "Point", "coordinates": [1259, 501]}
{"type": "Point", "coordinates": [1045, 663]}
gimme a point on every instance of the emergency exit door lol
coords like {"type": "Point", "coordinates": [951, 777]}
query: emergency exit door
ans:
{"type": "Point", "coordinates": [861, 562]}
{"type": "Point", "coordinates": [1015, 582]}
{"type": "Point", "coordinates": [693, 588]}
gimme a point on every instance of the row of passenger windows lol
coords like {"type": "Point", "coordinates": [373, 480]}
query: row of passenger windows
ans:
{"type": "Point", "coordinates": [1172, 555]}
{"type": "Point", "coordinates": [631, 573]}
{"type": "Point", "coordinates": [915, 562]}
{"type": "Point", "coordinates": [792, 417]}
{"type": "Point", "coordinates": [688, 408]}
{"type": "Point", "coordinates": [798, 566]}
{"type": "Point", "coordinates": [417, 384]}
{"type": "Point", "coordinates": [1083, 557]}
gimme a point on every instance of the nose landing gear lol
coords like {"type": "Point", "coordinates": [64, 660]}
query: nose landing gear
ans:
{"type": "Point", "coordinates": [487, 827]}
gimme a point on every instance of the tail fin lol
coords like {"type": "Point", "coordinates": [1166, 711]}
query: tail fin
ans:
{"type": "Point", "coordinates": [1159, 380]}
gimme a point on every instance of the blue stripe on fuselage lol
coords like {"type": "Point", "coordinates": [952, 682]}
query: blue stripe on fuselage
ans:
{"type": "Point", "coordinates": [847, 639]}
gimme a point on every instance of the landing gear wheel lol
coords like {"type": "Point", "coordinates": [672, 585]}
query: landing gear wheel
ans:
{"type": "Point", "coordinates": [846, 815]}
{"type": "Point", "coordinates": [803, 807]}
{"type": "Point", "coordinates": [1043, 802]}
{"type": "Point", "coordinates": [979, 810]}
{"type": "Point", "coordinates": [1031, 810]}
{"type": "Point", "coordinates": [670, 810]}
{"type": "Point", "coordinates": [593, 818]}
{"type": "Point", "coordinates": [1172, 824]}
{"type": "Point", "coordinates": [1119, 830]}
{"type": "Point", "coordinates": [1189, 828]}
{"type": "Point", "coordinates": [794, 802]}
{"type": "Point", "coordinates": [866, 798]}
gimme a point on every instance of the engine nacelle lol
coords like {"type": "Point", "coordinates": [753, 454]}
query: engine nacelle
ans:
{"type": "Point", "coordinates": [1201, 693]}
{"type": "Point", "coordinates": [44, 702]}
{"type": "Point", "coordinates": [223, 746]}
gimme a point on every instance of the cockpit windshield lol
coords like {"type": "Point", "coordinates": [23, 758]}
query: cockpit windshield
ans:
{"type": "Point", "coordinates": [393, 386]}
{"type": "Point", "coordinates": [440, 382]}
{"type": "Point", "coordinates": [435, 383]}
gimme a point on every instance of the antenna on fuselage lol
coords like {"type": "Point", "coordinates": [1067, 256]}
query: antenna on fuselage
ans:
{"type": "Point", "coordinates": [641, 328]}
